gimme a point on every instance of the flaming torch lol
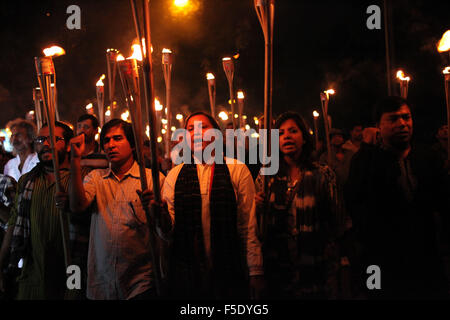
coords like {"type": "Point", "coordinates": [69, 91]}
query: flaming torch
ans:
{"type": "Point", "coordinates": [212, 93]}
{"type": "Point", "coordinates": [45, 71]}
{"type": "Point", "coordinates": [54, 51]}
{"type": "Point", "coordinates": [111, 63]}
{"type": "Point", "coordinates": [404, 82]}
{"type": "Point", "coordinates": [240, 97]}
{"type": "Point", "coordinates": [265, 10]}
{"type": "Point", "coordinates": [444, 43]}
{"type": "Point", "coordinates": [167, 68]}
{"type": "Point", "coordinates": [444, 46]}
{"type": "Point", "coordinates": [100, 98]}
{"type": "Point", "coordinates": [149, 101]}
{"type": "Point", "coordinates": [228, 67]}
{"type": "Point", "coordinates": [316, 130]}
{"type": "Point", "coordinates": [325, 99]}
{"type": "Point", "coordinates": [37, 98]}
{"type": "Point", "coordinates": [446, 73]}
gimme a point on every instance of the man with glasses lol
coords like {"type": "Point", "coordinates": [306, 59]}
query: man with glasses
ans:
{"type": "Point", "coordinates": [34, 232]}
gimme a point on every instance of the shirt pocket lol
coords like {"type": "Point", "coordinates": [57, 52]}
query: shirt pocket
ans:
{"type": "Point", "coordinates": [135, 217]}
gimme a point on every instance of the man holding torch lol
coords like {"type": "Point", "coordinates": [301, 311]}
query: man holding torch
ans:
{"type": "Point", "coordinates": [119, 264]}
{"type": "Point", "coordinates": [34, 232]}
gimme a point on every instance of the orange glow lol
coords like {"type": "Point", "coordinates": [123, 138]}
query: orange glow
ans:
{"type": "Point", "coordinates": [401, 76]}
{"type": "Point", "coordinates": [166, 50]}
{"type": "Point", "coordinates": [240, 95]}
{"type": "Point", "coordinates": [226, 59]}
{"type": "Point", "coordinates": [100, 82]}
{"type": "Point", "coordinates": [210, 76]}
{"type": "Point", "coordinates": [315, 114]}
{"type": "Point", "coordinates": [330, 91]}
{"type": "Point", "coordinates": [236, 56]}
{"type": "Point", "coordinates": [54, 51]}
{"type": "Point", "coordinates": [444, 43]}
{"type": "Point", "coordinates": [446, 70]}
{"type": "Point", "coordinates": [89, 106]}
{"type": "Point", "coordinates": [120, 58]}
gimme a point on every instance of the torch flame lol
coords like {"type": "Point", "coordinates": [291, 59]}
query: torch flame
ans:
{"type": "Point", "coordinates": [100, 82]}
{"type": "Point", "coordinates": [240, 95]}
{"type": "Point", "coordinates": [330, 91]}
{"type": "Point", "coordinates": [179, 116]}
{"type": "Point", "coordinates": [446, 70]}
{"type": "Point", "coordinates": [125, 115]}
{"type": "Point", "coordinates": [166, 50]}
{"type": "Point", "coordinates": [120, 57]}
{"type": "Point", "coordinates": [136, 52]}
{"type": "Point", "coordinates": [223, 115]}
{"type": "Point", "coordinates": [89, 106]}
{"type": "Point", "coordinates": [315, 114]}
{"type": "Point", "coordinates": [236, 56]}
{"type": "Point", "coordinates": [226, 59]}
{"type": "Point", "coordinates": [158, 105]}
{"type": "Point", "coordinates": [54, 51]}
{"type": "Point", "coordinates": [444, 43]}
{"type": "Point", "coordinates": [210, 76]}
{"type": "Point", "coordinates": [401, 76]}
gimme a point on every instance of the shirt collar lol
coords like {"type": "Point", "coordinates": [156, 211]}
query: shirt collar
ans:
{"type": "Point", "coordinates": [132, 172]}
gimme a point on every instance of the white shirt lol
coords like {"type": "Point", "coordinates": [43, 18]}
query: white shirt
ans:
{"type": "Point", "coordinates": [244, 189]}
{"type": "Point", "coordinates": [12, 166]}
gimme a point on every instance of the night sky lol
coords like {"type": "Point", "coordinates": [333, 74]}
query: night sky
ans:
{"type": "Point", "coordinates": [317, 45]}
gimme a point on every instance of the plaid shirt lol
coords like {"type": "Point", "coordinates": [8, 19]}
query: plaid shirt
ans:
{"type": "Point", "coordinates": [7, 190]}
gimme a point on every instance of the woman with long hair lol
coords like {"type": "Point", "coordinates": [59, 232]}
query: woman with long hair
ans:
{"type": "Point", "coordinates": [302, 215]}
{"type": "Point", "coordinates": [215, 253]}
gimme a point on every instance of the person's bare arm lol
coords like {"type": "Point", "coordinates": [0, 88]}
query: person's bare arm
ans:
{"type": "Point", "coordinates": [77, 197]}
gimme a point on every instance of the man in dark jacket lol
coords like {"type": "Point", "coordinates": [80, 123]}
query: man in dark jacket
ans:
{"type": "Point", "coordinates": [392, 193]}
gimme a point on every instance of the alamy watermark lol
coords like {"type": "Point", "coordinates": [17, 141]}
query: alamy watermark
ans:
{"type": "Point", "coordinates": [244, 142]}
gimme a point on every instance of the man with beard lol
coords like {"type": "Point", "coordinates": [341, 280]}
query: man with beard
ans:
{"type": "Point", "coordinates": [22, 136]}
{"type": "Point", "coordinates": [34, 232]}
{"type": "Point", "coordinates": [392, 192]}
{"type": "Point", "coordinates": [92, 156]}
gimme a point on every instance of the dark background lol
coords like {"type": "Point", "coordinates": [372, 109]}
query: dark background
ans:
{"type": "Point", "coordinates": [317, 45]}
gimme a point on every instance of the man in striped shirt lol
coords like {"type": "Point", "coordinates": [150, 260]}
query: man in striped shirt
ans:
{"type": "Point", "coordinates": [34, 232]}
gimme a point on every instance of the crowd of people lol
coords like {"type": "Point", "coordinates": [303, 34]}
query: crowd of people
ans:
{"type": "Point", "coordinates": [220, 230]}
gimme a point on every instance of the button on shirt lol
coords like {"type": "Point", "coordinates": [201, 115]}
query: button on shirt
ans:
{"type": "Point", "coordinates": [244, 189]}
{"type": "Point", "coordinates": [12, 166]}
{"type": "Point", "coordinates": [119, 264]}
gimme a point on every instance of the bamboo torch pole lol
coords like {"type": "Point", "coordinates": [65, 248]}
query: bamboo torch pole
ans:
{"type": "Point", "coordinates": [100, 88]}
{"type": "Point", "coordinates": [446, 73]}
{"type": "Point", "coordinates": [212, 93]}
{"type": "Point", "coordinates": [45, 70]}
{"type": "Point", "coordinates": [167, 69]}
{"type": "Point", "coordinates": [228, 67]}
{"type": "Point", "coordinates": [150, 101]}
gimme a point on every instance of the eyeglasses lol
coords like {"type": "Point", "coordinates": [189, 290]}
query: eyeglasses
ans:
{"type": "Point", "coordinates": [42, 139]}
